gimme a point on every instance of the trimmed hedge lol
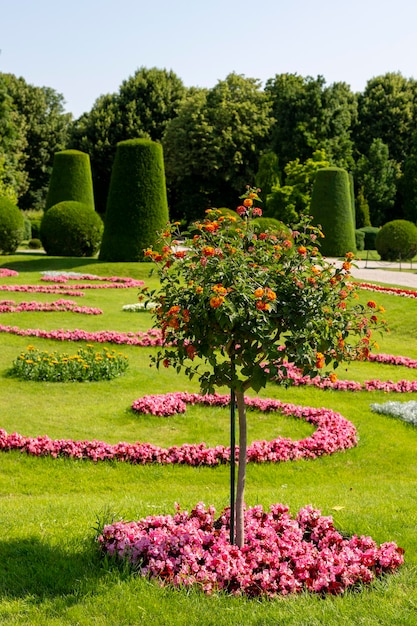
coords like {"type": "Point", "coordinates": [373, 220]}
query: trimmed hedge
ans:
{"type": "Point", "coordinates": [331, 207]}
{"type": "Point", "coordinates": [71, 179]}
{"type": "Point", "coordinates": [137, 207]}
{"type": "Point", "coordinates": [12, 226]}
{"type": "Point", "coordinates": [370, 233]}
{"type": "Point", "coordinates": [397, 240]}
{"type": "Point", "coordinates": [71, 229]}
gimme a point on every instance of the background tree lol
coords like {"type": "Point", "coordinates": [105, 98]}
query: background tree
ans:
{"type": "Point", "coordinates": [142, 108]}
{"type": "Point", "coordinates": [378, 176]}
{"type": "Point", "coordinates": [289, 201]}
{"type": "Point", "coordinates": [13, 178]}
{"type": "Point", "coordinates": [211, 149]}
{"type": "Point", "coordinates": [310, 115]}
{"type": "Point", "coordinates": [386, 111]}
{"type": "Point", "coordinates": [44, 126]}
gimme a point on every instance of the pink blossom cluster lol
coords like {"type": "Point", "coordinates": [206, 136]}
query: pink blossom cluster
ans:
{"type": "Point", "coordinates": [4, 272]}
{"type": "Point", "coordinates": [395, 291]}
{"type": "Point", "coordinates": [68, 290]}
{"type": "Point", "coordinates": [282, 554]}
{"type": "Point", "coordinates": [148, 338]}
{"type": "Point", "coordinates": [115, 281]}
{"type": "Point", "coordinates": [403, 386]}
{"type": "Point", "coordinates": [333, 433]}
{"type": "Point", "coordinates": [9, 306]}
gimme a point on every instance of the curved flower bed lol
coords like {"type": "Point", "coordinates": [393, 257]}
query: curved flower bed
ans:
{"type": "Point", "coordinates": [282, 555]}
{"type": "Point", "coordinates": [4, 272]}
{"type": "Point", "coordinates": [395, 291]}
{"type": "Point", "coordinates": [9, 306]}
{"type": "Point", "coordinates": [149, 338]}
{"type": "Point", "coordinates": [333, 433]}
{"type": "Point", "coordinates": [60, 285]}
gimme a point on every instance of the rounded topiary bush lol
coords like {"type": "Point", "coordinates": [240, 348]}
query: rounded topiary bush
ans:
{"type": "Point", "coordinates": [397, 240]}
{"type": "Point", "coordinates": [71, 229]}
{"type": "Point", "coordinates": [261, 224]}
{"type": "Point", "coordinates": [331, 207]}
{"type": "Point", "coordinates": [137, 206]}
{"type": "Point", "coordinates": [12, 226]}
{"type": "Point", "coordinates": [71, 179]}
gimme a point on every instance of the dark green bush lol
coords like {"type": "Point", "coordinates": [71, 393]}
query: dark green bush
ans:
{"type": "Point", "coordinates": [71, 179]}
{"type": "Point", "coordinates": [331, 207]}
{"type": "Point", "coordinates": [12, 226]}
{"type": "Point", "coordinates": [370, 233]}
{"type": "Point", "coordinates": [137, 207]}
{"type": "Point", "coordinates": [71, 229]}
{"type": "Point", "coordinates": [36, 227]}
{"type": "Point", "coordinates": [360, 239]}
{"type": "Point", "coordinates": [397, 240]}
{"type": "Point", "coordinates": [34, 244]}
{"type": "Point", "coordinates": [261, 224]}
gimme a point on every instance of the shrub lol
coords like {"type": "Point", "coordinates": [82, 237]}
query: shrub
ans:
{"type": "Point", "coordinates": [272, 225]}
{"type": "Point", "coordinates": [27, 228]}
{"type": "Point", "coordinates": [71, 229]}
{"type": "Point", "coordinates": [397, 240]}
{"type": "Point", "coordinates": [86, 365]}
{"type": "Point", "coordinates": [71, 179]}
{"type": "Point", "coordinates": [34, 243]}
{"type": "Point", "coordinates": [331, 207]}
{"type": "Point", "coordinates": [370, 233]}
{"type": "Point", "coordinates": [359, 239]}
{"type": "Point", "coordinates": [12, 226]}
{"type": "Point", "coordinates": [137, 208]}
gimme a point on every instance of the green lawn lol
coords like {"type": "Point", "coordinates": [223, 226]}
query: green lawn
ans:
{"type": "Point", "coordinates": [50, 508]}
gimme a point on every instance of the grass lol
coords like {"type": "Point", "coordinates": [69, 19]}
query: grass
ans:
{"type": "Point", "coordinates": [50, 509]}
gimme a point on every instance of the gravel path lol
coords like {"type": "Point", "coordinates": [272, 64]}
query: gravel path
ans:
{"type": "Point", "coordinates": [383, 272]}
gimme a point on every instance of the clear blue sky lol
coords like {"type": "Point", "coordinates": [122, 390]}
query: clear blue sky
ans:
{"type": "Point", "coordinates": [86, 48]}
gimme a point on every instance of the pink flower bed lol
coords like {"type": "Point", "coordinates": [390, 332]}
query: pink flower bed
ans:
{"type": "Point", "coordinates": [60, 286]}
{"type": "Point", "coordinates": [333, 433]}
{"type": "Point", "coordinates": [9, 306]}
{"type": "Point", "coordinates": [282, 554]}
{"type": "Point", "coordinates": [149, 338]}
{"type": "Point", "coordinates": [4, 272]}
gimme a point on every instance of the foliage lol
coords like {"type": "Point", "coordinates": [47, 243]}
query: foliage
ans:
{"type": "Point", "coordinates": [71, 229]}
{"type": "Point", "coordinates": [359, 240]}
{"type": "Point", "coordinates": [386, 111]}
{"type": "Point", "coordinates": [406, 411]}
{"type": "Point", "coordinates": [34, 243]}
{"type": "Point", "coordinates": [143, 106]}
{"type": "Point", "coordinates": [211, 148]}
{"type": "Point", "coordinates": [309, 116]}
{"type": "Point", "coordinates": [288, 202]}
{"type": "Point", "coordinates": [331, 207]}
{"type": "Point", "coordinates": [71, 179]}
{"type": "Point", "coordinates": [13, 179]}
{"type": "Point", "coordinates": [87, 364]}
{"type": "Point", "coordinates": [12, 226]}
{"type": "Point", "coordinates": [363, 219]}
{"type": "Point", "coordinates": [137, 203]}
{"type": "Point", "coordinates": [397, 240]}
{"type": "Point", "coordinates": [44, 128]}
{"type": "Point", "coordinates": [370, 233]}
{"type": "Point", "coordinates": [377, 175]}
{"type": "Point", "coordinates": [267, 175]}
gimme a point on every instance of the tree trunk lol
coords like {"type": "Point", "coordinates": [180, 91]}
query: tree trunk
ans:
{"type": "Point", "coordinates": [241, 474]}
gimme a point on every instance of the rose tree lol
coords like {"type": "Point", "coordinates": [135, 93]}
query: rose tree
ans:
{"type": "Point", "coordinates": [235, 308]}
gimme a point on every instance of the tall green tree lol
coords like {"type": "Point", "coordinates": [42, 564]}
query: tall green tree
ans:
{"type": "Point", "coordinates": [142, 108]}
{"type": "Point", "coordinates": [386, 111]}
{"type": "Point", "coordinates": [377, 175]}
{"type": "Point", "coordinates": [13, 178]}
{"type": "Point", "coordinates": [44, 126]}
{"type": "Point", "coordinates": [211, 149]}
{"type": "Point", "coordinates": [310, 115]}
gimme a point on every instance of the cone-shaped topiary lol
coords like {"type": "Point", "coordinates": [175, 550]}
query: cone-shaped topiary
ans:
{"type": "Point", "coordinates": [137, 207]}
{"type": "Point", "coordinates": [397, 240]}
{"type": "Point", "coordinates": [12, 226]}
{"type": "Point", "coordinates": [71, 229]}
{"type": "Point", "coordinates": [71, 179]}
{"type": "Point", "coordinates": [331, 207]}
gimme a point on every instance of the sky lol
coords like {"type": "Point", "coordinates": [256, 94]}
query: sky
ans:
{"type": "Point", "coordinates": [87, 48]}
